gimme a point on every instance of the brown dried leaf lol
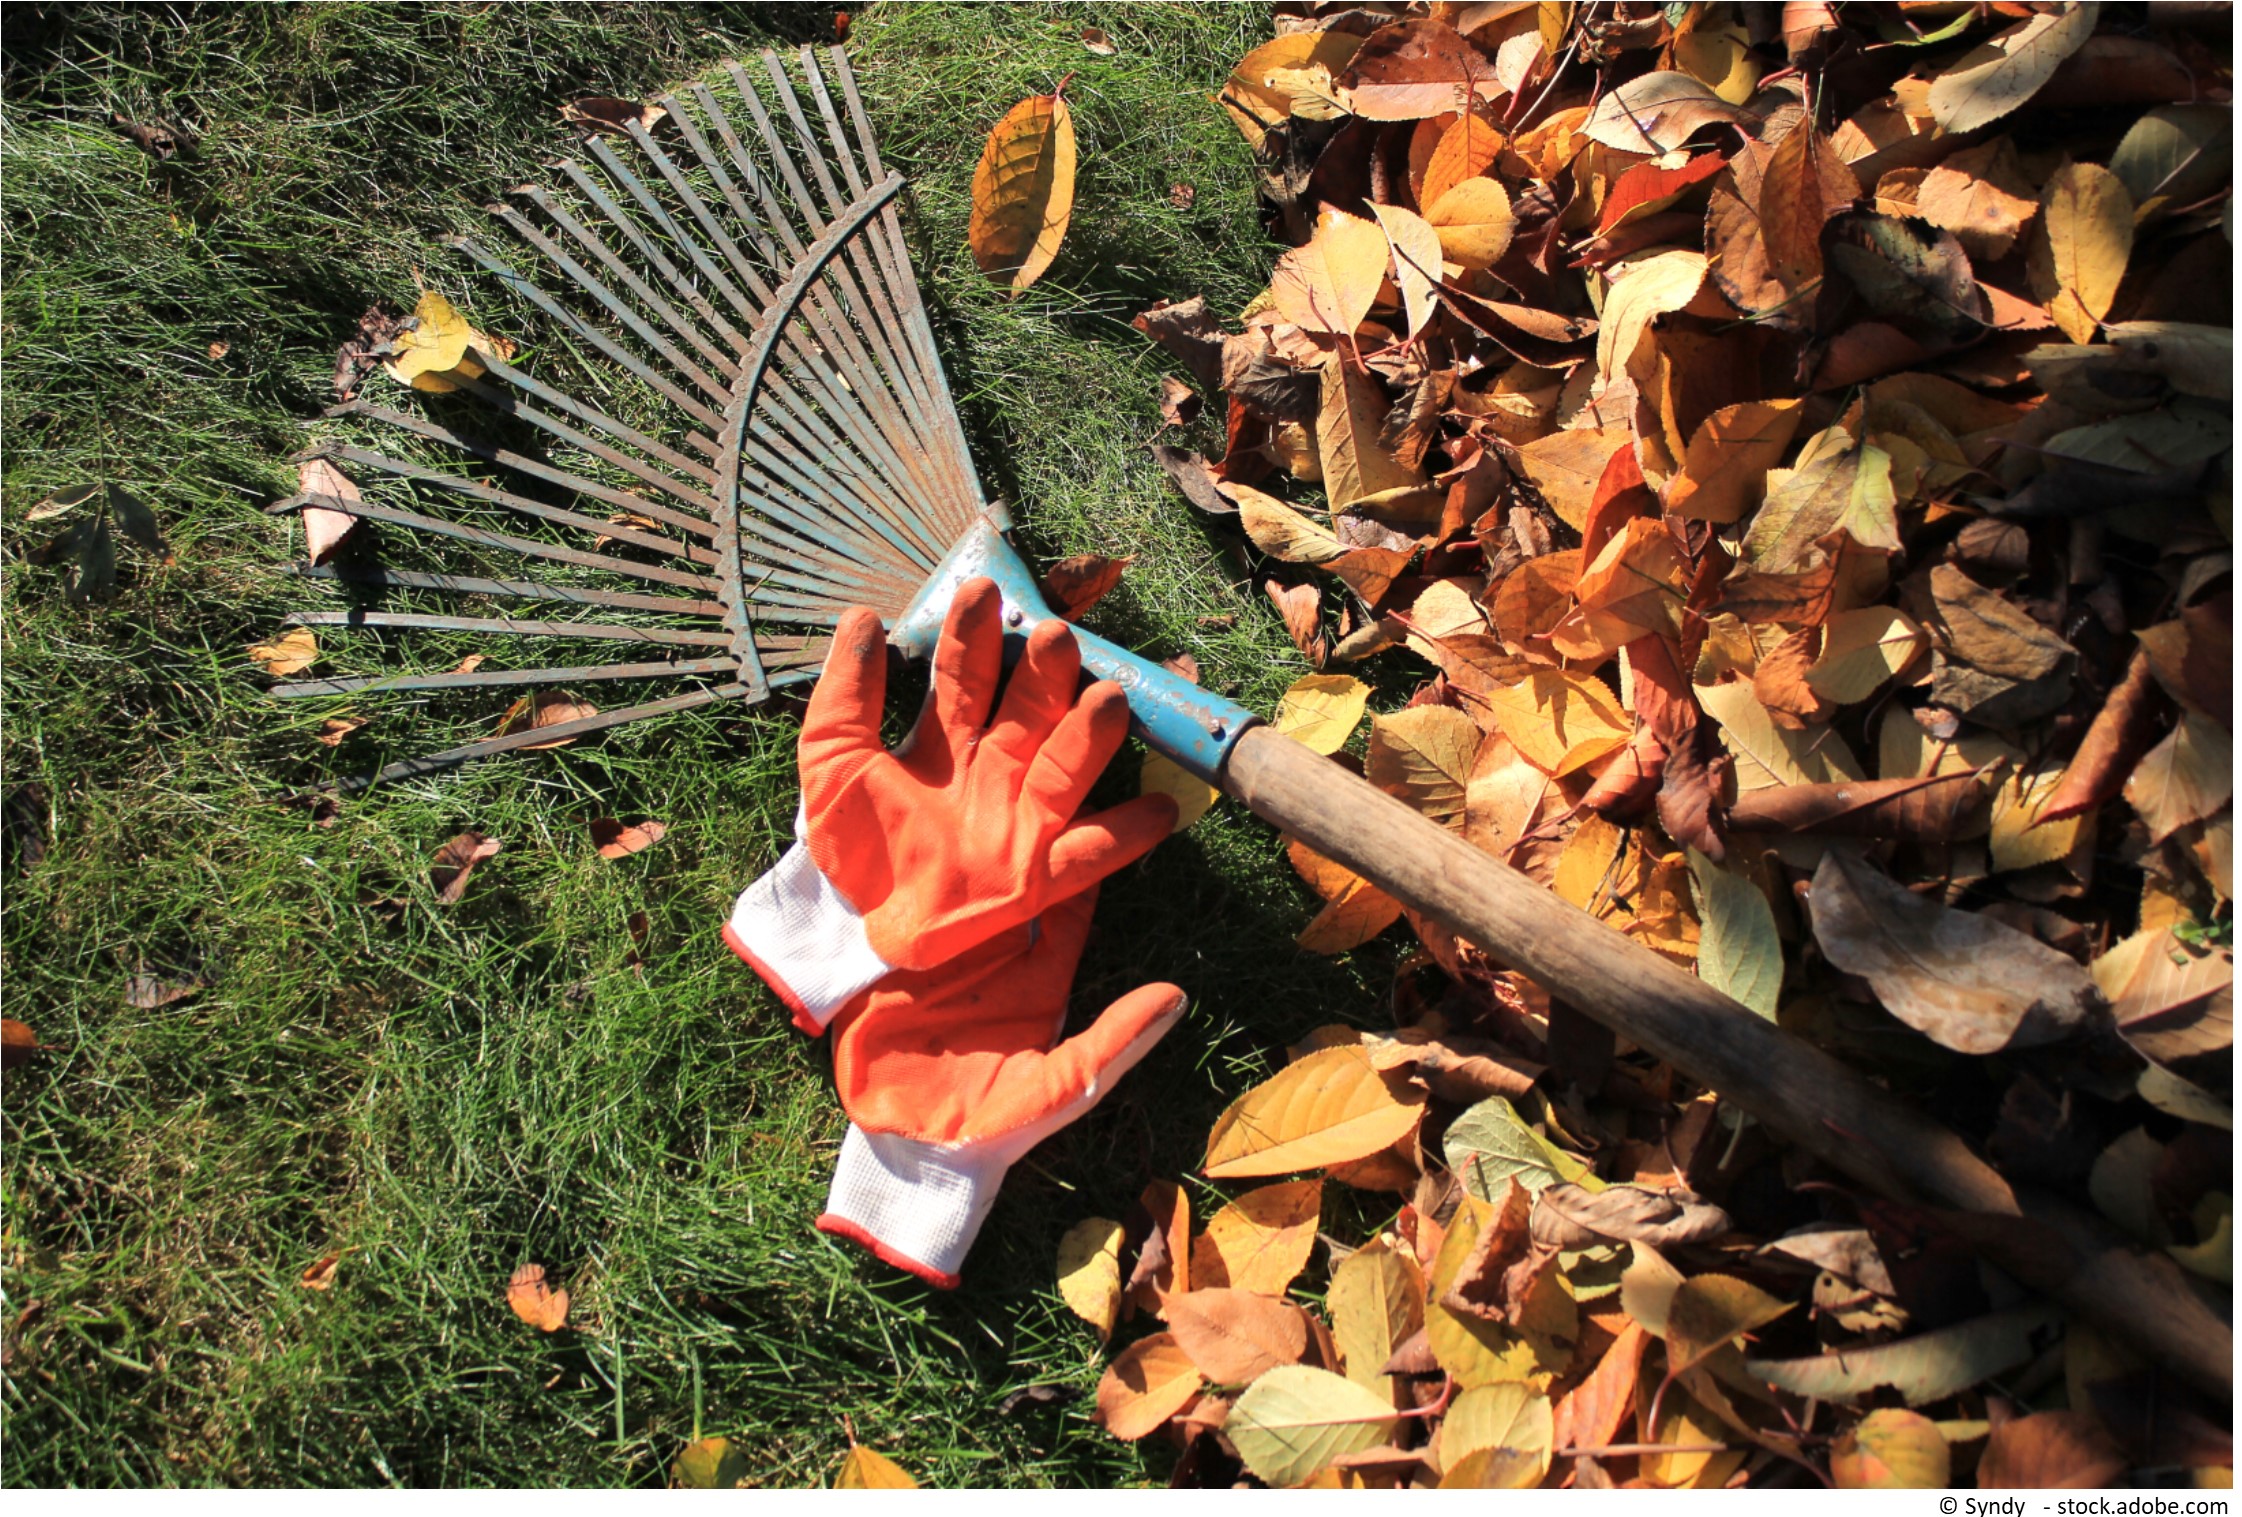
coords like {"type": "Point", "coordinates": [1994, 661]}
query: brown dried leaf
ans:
{"type": "Point", "coordinates": [1455, 1067]}
{"type": "Point", "coordinates": [17, 1042]}
{"type": "Point", "coordinates": [1236, 1336]}
{"type": "Point", "coordinates": [1965, 981]}
{"type": "Point", "coordinates": [1413, 69]}
{"type": "Point", "coordinates": [325, 529]}
{"type": "Point", "coordinates": [1937, 809]}
{"type": "Point", "coordinates": [2049, 1451]}
{"type": "Point", "coordinates": [619, 840]}
{"type": "Point", "coordinates": [144, 992]}
{"type": "Point", "coordinates": [290, 653]}
{"type": "Point", "coordinates": [535, 1302]}
{"type": "Point", "coordinates": [1074, 585]}
{"type": "Point", "coordinates": [546, 708]}
{"type": "Point", "coordinates": [607, 113]}
{"type": "Point", "coordinates": [320, 1275]}
{"type": "Point", "coordinates": [455, 861]}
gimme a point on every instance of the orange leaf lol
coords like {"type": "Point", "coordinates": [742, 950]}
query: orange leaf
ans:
{"type": "Point", "coordinates": [1023, 191]}
{"type": "Point", "coordinates": [547, 708]}
{"type": "Point", "coordinates": [1074, 585]}
{"type": "Point", "coordinates": [619, 840]}
{"type": "Point", "coordinates": [535, 1302]}
{"type": "Point", "coordinates": [1150, 1382]}
{"type": "Point", "coordinates": [1260, 1241]}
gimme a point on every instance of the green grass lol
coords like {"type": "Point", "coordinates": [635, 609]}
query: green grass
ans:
{"type": "Point", "coordinates": [444, 1093]}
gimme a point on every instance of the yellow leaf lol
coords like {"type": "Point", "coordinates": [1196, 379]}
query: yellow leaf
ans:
{"type": "Point", "coordinates": [1192, 796]}
{"type": "Point", "coordinates": [1283, 76]}
{"type": "Point", "coordinates": [710, 1464]}
{"type": "Point", "coordinates": [1320, 711]}
{"type": "Point", "coordinates": [1023, 192]}
{"type": "Point", "coordinates": [2184, 778]}
{"type": "Point", "coordinates": [1330, 284]}
{"type": "Point", "coordinates": [436, 345]}
{"type": "Point", "coordinates": [1474, 222]}
{"type": "Point", "coordinates": [1587, 859]}
{"type": "Point", "coordinates": [1560, 720]}
{"type": "Point", "coordinates": [1280, 531]}
{"type": "Point", "coordinates": [869, 1470]}
{"type": "Point", "coordinates": [1329, 1108]}
{"type": "Point", "coordinates": [1260, 1241]}
{"type": "Point", "coordinates": [290, 653]}
{"type": "Point", "coordinates": [1708, 1312]}
{"type": "Point", "coordinates": [1423, 755]}
{"type": "Point", "coordinates": [1862, 649]}
{"type": "Point", "coordinates": [1354, 911]}
{"type": "Point", "coordinates": [1146, 1385]}
{"type": "Point", "coordinates": [1766, 754]}
{"type": "Point", "coordinates": [2000, 74]}
{"type": "Point", "coordinates": [1416, 262]}
{"type": "Point", "coordinates": [1442, 609]}
{"type": "Point", "coordinates": [1481, 1352]}
{"type": "Point", "coordinates": [1377, 1301]}
{"type": "Point", "coordinates": [1090, 1272]}
{"type": "Point", "coordinates": [2078, 250]}
{"type": "Point", "coordinates": [1355, 463]}
{"type": "Point", "coordinates": [1642, 291]}
{"type": "Point", "coordinates": [1725, 469]}
{"type": "Point", "coordinates": [1565, 467]}
{"type": "Point", "coordinates": [1506, 1416]}
{"type": "Point", "coordinates": [1465, 151]}
{"type": "Point", "coordinates": [2018, 839]}
{"type": "Point", "coordinates": [1892, 1449]}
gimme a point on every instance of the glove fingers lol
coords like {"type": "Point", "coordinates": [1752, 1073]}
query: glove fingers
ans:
{"type": "Point", "coordinates": [968, 662]}
{"type": "Point", "coordinates": [843, 718]}
{"type": "Point", "coordinates": [1083, 1068]}
{"type": "Point", "coordinates": [1099, 845]}
{"type": "Point", "coordinates": [1041, 691]}
{"type": "Point", "coordinates": [1078, 750]}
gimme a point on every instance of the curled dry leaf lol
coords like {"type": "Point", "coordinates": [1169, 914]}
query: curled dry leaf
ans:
{"type": "Point", "coordinates": [455, 861]}
{"type": "Point", "coordinates": [1455, 1068]}
{"type": "Point", "coordinates": [320, 1275]}
{"type": "Point", "coordinates": [619, 840]}
{"type": "Point", "coordinates": [324, 528]}
{"type": "Point", "coordinates": [1965, 981]}
{"type": "Point", "coordinates": [546, 708]}
{"type": "Point", "coordinates": [1095, 39]}
{"type": "Point", "coordinates": [1569, 1216]}
{"type": "Point", "coordinates": [290, 653]}
{"type": "Point", "coordinates": [1924, 1368]}
{"type": "Point", "coordinates": [1074, 585]}
{"type": "Point", "coordinates": [334, 729]}
{"type": "Point", "coordinates": [145, 992]}
{"type": "Point", "coordinates": [1023, 191]}
{"type": "Point", "coordinates": [17, 1042]}
{"type": "Point", "coordinates": [607, 113]}
{"type": "Point", "coordinates": [535, 1302]}
{"type": "Point", "coordinates": [1939, 808]}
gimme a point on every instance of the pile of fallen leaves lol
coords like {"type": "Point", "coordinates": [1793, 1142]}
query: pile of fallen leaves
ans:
{"type": "Point", "coordinates": [1796, 443]}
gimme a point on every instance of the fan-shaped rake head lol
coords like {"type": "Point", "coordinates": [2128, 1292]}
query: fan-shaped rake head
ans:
{"type": "Point", "coordinates": [756, 432]}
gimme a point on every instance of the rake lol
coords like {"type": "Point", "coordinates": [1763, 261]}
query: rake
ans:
{"type": "Point", "coordinates": [760, 435]}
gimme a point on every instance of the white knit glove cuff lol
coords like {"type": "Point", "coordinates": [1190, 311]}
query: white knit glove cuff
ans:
{"type": "Point", "coordinates": [804, 938]}
{"type": "Point", "coordinates": [916, 1205]}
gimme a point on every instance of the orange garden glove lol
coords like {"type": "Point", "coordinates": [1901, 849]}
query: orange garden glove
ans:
{"type": "Point", "coordinates": [905, 860]}
{"type": "Point", "coordinates": [949, 1075]}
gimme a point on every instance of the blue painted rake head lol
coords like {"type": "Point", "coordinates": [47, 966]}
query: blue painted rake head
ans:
{"type": "Point", "coordinates": [752, 434]}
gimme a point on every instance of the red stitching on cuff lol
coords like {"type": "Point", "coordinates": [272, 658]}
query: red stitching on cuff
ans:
{"type": "Point", "coordinates": [803, 1021]}
{"type": "Point", "coordinates": [842, 1227]}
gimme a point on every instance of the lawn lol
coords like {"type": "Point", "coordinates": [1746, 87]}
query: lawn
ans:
{"type": "Point", "coordinates": [439, 1094]}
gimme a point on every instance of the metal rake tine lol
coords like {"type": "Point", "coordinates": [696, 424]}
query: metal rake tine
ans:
{"type": "Point", "coordinates": [507, 626]}
{"type": "Point", "coordinates": [912, 303]}
{"type": "Point", "coordinates": [874, 330]}
{"type": "Point", "coordinates": [701, 474]}
{"type": "Point", "coordinates": [584, 331]}
{"type": "Point", "coordinates": [422, 474]}
{"type": "Point", "coordinates": [931, 486]}
{"type": "Point", "coordinates": [518, 589]}
{"type": "Point", "coordinates": [617, 307]}
{"type": "Point", "coordinates": [817, 436]}
{"type": "Point", "coordinates": [408, 768]}
{"type": "Point", "coordinates": [480, 679]}
{"type": "Point", "coordinates": [489, 539]}
{"type": "Point", "coordinates": [616, 265]}
{"type": "Point", "coordinates": [651, 251]}
{"type": "Point", "coordinates": [659, 214]}
{"type": "Point", "coordinates": [520, 463]}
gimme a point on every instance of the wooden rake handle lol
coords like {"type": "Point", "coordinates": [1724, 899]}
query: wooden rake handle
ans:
{"type": "Point", "coordinates": [1810, 1098]}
